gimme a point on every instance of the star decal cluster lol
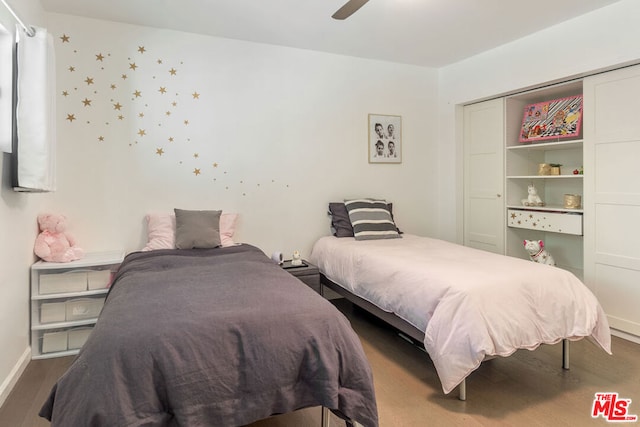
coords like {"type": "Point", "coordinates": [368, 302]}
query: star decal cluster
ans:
{"type": "Point", "coordinates": [111, 95]}
{"type": "Point", "coordinates": [121, 90]}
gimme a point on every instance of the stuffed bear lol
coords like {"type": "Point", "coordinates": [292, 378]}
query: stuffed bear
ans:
{"type": "Point", "coordinates": [538, 253]}
{"type": "Point", "coordinates": [53, 244]}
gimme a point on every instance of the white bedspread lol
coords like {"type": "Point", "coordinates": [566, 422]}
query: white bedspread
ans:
{"type": "Point", "coordinates": [470, 303]}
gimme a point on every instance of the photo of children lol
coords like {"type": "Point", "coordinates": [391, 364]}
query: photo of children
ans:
{"type": "Point", "coordinates": [385, 139]}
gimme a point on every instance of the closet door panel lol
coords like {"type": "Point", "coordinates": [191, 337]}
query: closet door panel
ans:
{"type": "Point", "coordinates": [616, 168]}
{"type": "Point", "coordinates": [484, 213]}
{"type": "Point", "coordinates": [612, 194]}
{"type": "Point", "coordinates": [613, 241]}
{"type": "Point", "coordinates": [615, 285]}
{"type": "Point", "coordinates": [618, 103]}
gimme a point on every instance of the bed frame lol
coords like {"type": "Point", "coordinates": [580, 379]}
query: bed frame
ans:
{"type": "Point", "coordinates": [406, 328]}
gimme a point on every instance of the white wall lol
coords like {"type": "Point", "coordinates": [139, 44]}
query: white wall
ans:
{"type": "Point", "coordinates": [18, 230]}
{"type": "Point", "coordinates": [600, 40]}
{"type": "Point", "coordinates": [286, 127]}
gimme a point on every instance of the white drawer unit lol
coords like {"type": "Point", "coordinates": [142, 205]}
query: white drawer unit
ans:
{"type": "Point", "coordinates": [555, 222]}
{"type": "Point", "coordinates": [66, 300]}
{"type": "Point", "coordinates": [54, 283]}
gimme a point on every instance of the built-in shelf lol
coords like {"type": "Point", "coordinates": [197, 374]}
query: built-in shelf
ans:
{"type": "Point", "coordinates": [546, 208]}
{"type": "Point", "coordinates": [548, 146]}
{"type": "Point", "coordinates": [560, 228]}
{"type": "Point", "coordinates": [578, 176]}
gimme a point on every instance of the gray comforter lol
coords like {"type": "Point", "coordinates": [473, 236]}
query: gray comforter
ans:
{"type": "Point", "coordinates": [216, 337]}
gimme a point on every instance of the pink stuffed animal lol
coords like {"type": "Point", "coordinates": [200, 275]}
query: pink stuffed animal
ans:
{"type": "Point", "coordinates": [53, 244]}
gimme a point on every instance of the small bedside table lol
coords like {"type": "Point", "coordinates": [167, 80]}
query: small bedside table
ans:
{"type": "Point", "coordinates": [309, 274]}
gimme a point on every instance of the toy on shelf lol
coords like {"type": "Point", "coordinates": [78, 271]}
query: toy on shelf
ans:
{"type": "Point", "coordinates": [53, 244]}
{"type": "Point", "coordinates": [532, 199]}
{"type": "Point", "coordinates": [537, 252]}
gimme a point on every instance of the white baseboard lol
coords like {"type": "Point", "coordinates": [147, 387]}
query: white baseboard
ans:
{"type": "Point", "coordinates": [625, 335]}
{"type": "Point", "coordinates": [10, 382]}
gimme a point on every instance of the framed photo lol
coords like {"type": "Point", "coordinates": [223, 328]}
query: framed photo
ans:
{"type": "Point", "coordinates": [549, 120]}
{"type": "Point", "coordinates": [385, 139]}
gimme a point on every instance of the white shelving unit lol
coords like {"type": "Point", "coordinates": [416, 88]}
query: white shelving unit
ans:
{"type": "Point", "coordinates": [560, 228]}
{"type": "Point", "coordinates": [66, 299]}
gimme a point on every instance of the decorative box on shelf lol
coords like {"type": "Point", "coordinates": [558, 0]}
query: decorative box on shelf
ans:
{"type": "Point", "coordinates": [556, 222]}
{"type": "Point", "coordinates": [554, 119]}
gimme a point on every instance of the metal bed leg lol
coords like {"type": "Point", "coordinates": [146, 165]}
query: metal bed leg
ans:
{"type": "Point", "coordinates": [462, 390]}
{"type": "Point", "coordinates": [324, 418]}
{"type": "Point", "coordinates": [565, 353]}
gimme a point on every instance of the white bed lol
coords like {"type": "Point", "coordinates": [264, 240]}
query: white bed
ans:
{"type": "Point", "coordinates": [470, 304]}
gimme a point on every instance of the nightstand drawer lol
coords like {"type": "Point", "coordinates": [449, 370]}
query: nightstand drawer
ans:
{"type": "Point", "coordinates": [308, 274]}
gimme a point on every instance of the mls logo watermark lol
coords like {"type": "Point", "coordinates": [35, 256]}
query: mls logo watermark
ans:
{"type": "Point", "coordinates": [612, 408]}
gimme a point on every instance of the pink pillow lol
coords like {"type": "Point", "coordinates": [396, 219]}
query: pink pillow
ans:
{"type": "Point", "coordinates": [161, 230]}
{"type": "Point", "coordinates": [227, 228]}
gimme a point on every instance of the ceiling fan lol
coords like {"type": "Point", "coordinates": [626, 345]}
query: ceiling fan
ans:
{"type": "Point", "coordinates": [348, 9]}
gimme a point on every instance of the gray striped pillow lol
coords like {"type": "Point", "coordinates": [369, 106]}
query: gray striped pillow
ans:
{"type": "Point", "coordinates": [371, 219]}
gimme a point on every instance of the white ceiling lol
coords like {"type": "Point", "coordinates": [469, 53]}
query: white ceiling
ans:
{"type": "Point", "coordinates": [429, 33]}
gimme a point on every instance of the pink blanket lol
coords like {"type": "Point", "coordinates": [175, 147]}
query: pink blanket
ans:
{"type": "Point", "coordinates": [470, 303]}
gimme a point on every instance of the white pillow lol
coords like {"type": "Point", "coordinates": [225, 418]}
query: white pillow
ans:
{"type": "Point", "coordinates": [161, 230]}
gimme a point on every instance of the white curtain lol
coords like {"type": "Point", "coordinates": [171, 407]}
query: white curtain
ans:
{"type": "Point", "coordinates": [6, 91]}
{"type": "Point", "coordinates": [35, 112]}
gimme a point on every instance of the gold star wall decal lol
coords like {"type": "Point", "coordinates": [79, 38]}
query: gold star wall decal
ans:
{"type": "Point", "coordinates": [148, 109]}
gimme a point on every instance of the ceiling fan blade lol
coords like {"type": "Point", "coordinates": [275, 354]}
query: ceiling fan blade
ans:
{"type": "Point", "coordinates": [349, 9]}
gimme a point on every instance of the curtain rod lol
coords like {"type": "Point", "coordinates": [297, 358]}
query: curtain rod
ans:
{"type": "Point", "coordinates": [29, 30]}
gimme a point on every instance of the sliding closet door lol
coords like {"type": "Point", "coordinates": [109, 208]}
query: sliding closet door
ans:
{"type": "Point", "coordinates": [484, 176]}
{"type": "Point", "coordinates": [612, 194]}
